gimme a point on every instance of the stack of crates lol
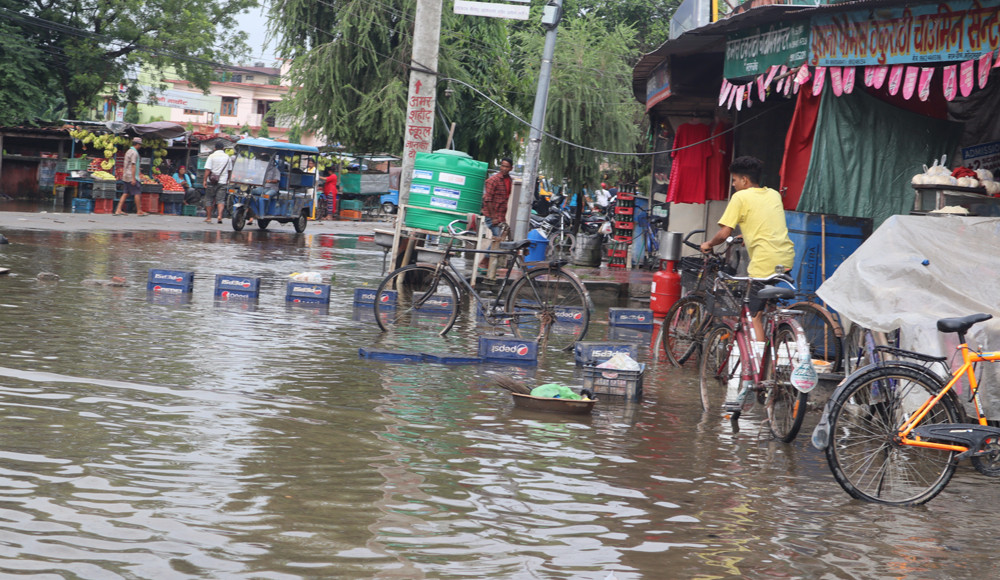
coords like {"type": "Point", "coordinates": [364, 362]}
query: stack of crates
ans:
{"type": "Point", "coordinates": [624, 228]}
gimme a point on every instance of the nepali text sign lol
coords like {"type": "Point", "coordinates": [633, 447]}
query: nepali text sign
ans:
{"type": "Point", "coordinates": [491, 9]}
{"type": "Point", "coordinates": [658, 85]}
{"type": "Point", "coordinates": [958, 30]}
{"type": "Point", "coordinates": [752, 52]}
{"type": "Point", "coordinates": [184, 100]}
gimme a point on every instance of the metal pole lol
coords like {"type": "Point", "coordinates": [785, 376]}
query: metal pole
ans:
{"type": "Point", "coordinates": [537, 125]}
{"type": "Point", "coordinates": [420, 103]}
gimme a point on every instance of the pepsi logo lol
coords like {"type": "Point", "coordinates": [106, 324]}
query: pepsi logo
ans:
{"type": "Point", "coordinates": [225, 294]}
{"type": "Point", "coordinates": [246, 284]}
{"type": "Point", "coordinates": [516, 349]}
{"type": "Point", "coordinates": [385, 298]}
{"type": "Point", "coordinates": [522, 350]}
{"type": "Point", "coordinates": [318, 291]}
{"type": "Point", "coordinates": [578, 316]}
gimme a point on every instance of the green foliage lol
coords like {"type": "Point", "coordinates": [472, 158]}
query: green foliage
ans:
{"type": "Point", "coordinates": [590, 99]}
{"type": "Point", "coordinates": [294, 134]}
{"type": "Point", "coordinates": [265, 131]}
{"type": "Point", "coordinates": [131, 113]}
{"type": "Point", "coordinates": [86, 45]}
{"type": "Point", "coordinates": [25, 92]}
{"type": "Point", "coordinates": [246, 129]}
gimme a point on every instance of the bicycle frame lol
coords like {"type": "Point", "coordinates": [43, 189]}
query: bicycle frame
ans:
{"type": "Point", "coordinates": [752, 364]}
{"type": "Point", "coordinates": [967, 369]}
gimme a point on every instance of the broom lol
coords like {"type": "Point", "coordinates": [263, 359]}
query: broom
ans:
{"type": "Point", "coordinates": [512, 385]}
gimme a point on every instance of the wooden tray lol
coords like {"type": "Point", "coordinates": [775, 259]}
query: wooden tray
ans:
{"type": "Point", "coordinates": [955, 188]}
{"type": "Point", "coordinates": [568, 406]}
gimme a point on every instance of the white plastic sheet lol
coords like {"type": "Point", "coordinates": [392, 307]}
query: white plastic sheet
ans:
{"type": "Point", "coordinates": [914, 270]}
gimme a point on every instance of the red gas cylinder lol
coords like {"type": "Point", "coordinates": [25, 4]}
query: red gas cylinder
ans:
{"type": "Point", "coordinates": [665, 291]}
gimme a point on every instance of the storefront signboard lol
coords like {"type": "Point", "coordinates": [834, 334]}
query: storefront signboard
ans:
{"type": "Point", "coordinates": [940, 32]}
{"type": "Point", "coordinates": [984, 156]}
{"type": "Point", "coordinates": [751, 52]}
{"type": "Point", "coordinates": [658, 85]}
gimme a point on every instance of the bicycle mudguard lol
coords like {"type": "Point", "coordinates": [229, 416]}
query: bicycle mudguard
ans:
{"type": "Point", "coordinates": [971, 435]}
{"type": "Point", "coordinates": [821, 433]}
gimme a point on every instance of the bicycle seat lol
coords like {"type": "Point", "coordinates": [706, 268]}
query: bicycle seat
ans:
{"type": "Point", "coordinates": [961, 324]}
{"type": "Point", "coordinates": [518, 245]}
{"type": "Point", "coordinates": [775, 293]}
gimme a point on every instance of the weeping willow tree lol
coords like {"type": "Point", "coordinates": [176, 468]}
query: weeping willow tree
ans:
{"type": "Point", "coordinates": [351, 66]}
{"type": "Point", "coordinates": [590, 98]}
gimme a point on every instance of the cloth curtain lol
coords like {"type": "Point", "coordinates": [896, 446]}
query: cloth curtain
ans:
{"type": "Point", "coordinates": [688, 172]}
{"type": "Point", "coordinates": [798, 146]}
{"type": "Point", "coordinates": [864, 154]}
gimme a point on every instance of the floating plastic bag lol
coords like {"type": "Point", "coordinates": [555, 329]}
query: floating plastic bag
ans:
{"type": "Point", "coordinates": [554, 391]}
{"type": "Point", "coordinates": [307, 277]}
{"type": "Point", "coordinates": [620, 362]}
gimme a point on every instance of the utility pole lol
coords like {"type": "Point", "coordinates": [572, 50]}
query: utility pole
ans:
{"type": "Point", "coordinates": [550, 18]}
{"type": "Point", "coordinates": [421, 99]}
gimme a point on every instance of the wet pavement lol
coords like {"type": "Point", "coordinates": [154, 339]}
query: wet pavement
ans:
{"type": "Point", "coordinates": [150, 438]}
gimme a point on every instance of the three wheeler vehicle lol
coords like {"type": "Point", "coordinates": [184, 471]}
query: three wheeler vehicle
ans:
{"type": "Point", "coordinates": [289, 200]}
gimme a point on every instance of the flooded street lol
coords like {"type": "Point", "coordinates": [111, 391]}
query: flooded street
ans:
{"type": "Point", "coordinates": [144, 438]}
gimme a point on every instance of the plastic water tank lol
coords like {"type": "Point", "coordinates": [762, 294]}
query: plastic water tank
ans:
{"type": "Point", "coordinates": [444, 180]}
{"type": "Point", "coordinates": [538, 247]}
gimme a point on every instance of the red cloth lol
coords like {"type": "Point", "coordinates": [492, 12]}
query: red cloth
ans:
{"type": "Point", "coordinates": [717, 166]}
{"type": "Point", "coordinates": [330, 192]}
{"type": "Point", "coordinates": [798, 146]}
{"type": "Point", "coordinates": [688, 181]}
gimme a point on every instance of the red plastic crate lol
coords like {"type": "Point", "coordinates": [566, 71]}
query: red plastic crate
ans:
{"type": "Point", "coordinates": [104, 205]}
{"type": "Point", "coordinates": [619, 210]}
{"type": "Point", "coordinates": [61, 178]}
{"type": "Point", "coordinates": [624, 225]}
{"type": "Point", "coordinates": [617, 253]}
{"type": "Point", "coordinates": [149, 202]}
{"type": "Point", "coordinates": [623, 239]}
{"type": "Point", "coordinates": [626, 196]}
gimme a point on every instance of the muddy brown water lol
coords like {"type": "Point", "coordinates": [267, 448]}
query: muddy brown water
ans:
{"type": "Point", "coordinates": [149, 439]}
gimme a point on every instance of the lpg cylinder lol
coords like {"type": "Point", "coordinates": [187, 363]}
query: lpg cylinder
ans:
{"type": "Point", "coordinates": [665, 290]}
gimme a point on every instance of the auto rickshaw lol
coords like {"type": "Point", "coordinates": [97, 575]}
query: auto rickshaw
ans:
{"type": "Point", "coordinates": [272, 182]}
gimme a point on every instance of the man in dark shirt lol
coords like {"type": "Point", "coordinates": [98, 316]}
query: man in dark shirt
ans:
{"type": "Point", "coordinates": [497, 193]}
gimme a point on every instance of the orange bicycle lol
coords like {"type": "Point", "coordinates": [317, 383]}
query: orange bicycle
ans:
{"type": "Point", "coordinates": [894, 431]}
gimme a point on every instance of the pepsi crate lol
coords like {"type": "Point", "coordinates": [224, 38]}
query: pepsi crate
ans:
{"type": "Point", "coordinates": [236, 287]}
{"type": "Point", "coordinates": [302, 292]}
{"type": "Point", "coordinates": [363, 313]}
{"type": "Point", "coordinates": [508, 350]}
{"type": "Point", "coordinates": [622, 196]}
{"type": "Point", "coordinates": [619, 210]}
{"type": "Point", "coordinates": [390, 355]}
{"type": "Point", "coordinates": [635, 334]}
{"type": "Point", "coordinates": [83, 205]}
{"type": "Point", "coordinates": [569, 315]}
{"type": "Point", "coordinates": [630, 317]}
{"type": "Point", "coordinates": [623, 225]}
{"type": "Point", "coordinates": [365, 295]}
{"type": "Point", "coordinates": [170, 281]}
{"type": "Point", "coordinates": [586, 353]}
{"type": "Point", "coordinates": [613, 382]}
{"type": "Point", "coordinates": [437, 303]}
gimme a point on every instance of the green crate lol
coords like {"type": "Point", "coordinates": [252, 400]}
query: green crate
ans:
{"type": "Point", "coordinates": [77, 164]}
{"type": "Point", "coordinates": [189, 210]}
{"type": "Point", "coordinates": [351, 204]}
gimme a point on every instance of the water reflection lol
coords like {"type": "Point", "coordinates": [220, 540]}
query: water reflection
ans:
{"type": "Point", "coordinates": [248, 440]}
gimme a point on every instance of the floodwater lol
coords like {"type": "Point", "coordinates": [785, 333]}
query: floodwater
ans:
{"type": "Point", "coordinates": [155, 439]}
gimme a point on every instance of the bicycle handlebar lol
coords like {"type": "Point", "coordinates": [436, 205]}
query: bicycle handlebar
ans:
{"type": "Point", "coordinates": [452, 231]}
{"type": "Point", "coordinates": [691, 244]}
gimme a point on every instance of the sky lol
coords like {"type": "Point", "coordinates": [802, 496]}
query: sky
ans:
{"type": "Point", "coordinates": [254, 23]}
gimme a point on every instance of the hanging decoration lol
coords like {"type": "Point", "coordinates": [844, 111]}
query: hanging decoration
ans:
{"type": "Point", "coordinates": [732, 97]}
{"type": "Point", "coordinates": [848, 76]}
{"type": "Point", "coordinates": [740, 91]}
{"type": "Point", "coordinates": [880, 73]}
{"type": "Point", "coordinates": [819, 77]}
{"type": "Point", "coordinates": [910, 82]}
{"type": "Point", "coordinates": [836, 81]}
{"type": "Point", "coordinates": [724, 93]}
{"type": "Point", "coordinates": [984, 68]}
{"type": "Point", "coordinates": [924, 86]}
{"type": "Point", "coordinates": [967, 77]}
{"type": "Point", "coordinates": [782, 73]}
{"type": "Point", "coordinates": [895, 79]}
{"type": "Point", "coordinates": [949, 81]}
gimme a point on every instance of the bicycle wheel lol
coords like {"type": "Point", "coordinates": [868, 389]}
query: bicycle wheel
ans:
{"type": "Point", "coordinates": [718, 366]}
{"type": "Point", "coordinates": [864, 452]}
{"type": "Point", "coordinates": [560, 246]}
{"type": "Point", "coordinates": [548, 305]}
{"type": "Point", "coordinates": [418, 297]}
{"type": "Point", "coordinates": [786, 405]}
{"type": "Point", "coordinates": [823, 333]}
{"type": "Point", "coordinates": [683, 327]}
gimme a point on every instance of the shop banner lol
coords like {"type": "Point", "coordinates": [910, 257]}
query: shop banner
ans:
{"type": "Point", "coordinates": [984, 156]}
{"type": "Point", "coordinates": [658, 85]}
{"type": "Point", "coordinates": [751, 52]}
{"type": "Point", "coordinates": [945, 32]}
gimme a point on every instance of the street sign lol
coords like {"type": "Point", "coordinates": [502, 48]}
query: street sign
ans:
{"type": "Point", "coordinates": [492, 9]}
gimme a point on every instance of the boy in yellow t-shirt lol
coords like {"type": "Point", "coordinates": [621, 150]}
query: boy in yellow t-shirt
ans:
{"type": "Point", "coordinates": [759, 213]}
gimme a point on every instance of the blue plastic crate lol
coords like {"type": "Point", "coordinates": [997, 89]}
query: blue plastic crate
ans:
{"type": "Point", "coordinates": [83, 205]}
{"type": "Point", "coordinates": [237, 287]}
{"type": "Point", "coordinates": [390, 355]}
{"type": "Point", "coordinates": [172, 208]}
{"type": "Point", "coordinates": [511, 350]}
{"type": "Point", "coordinates": [451, 359]}
{"type": "Point", "coordinates": [615, 383]}
{"type": "Point", "coordinates": [598, 352]}
{"type": "Point", "coordinates": [170, 281]}
{"type": "Point", "coordinates": [303, 292]}
{"type": "Point", "coordinates": [630, 317]}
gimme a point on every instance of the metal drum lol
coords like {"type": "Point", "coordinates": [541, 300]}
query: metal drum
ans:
{"type": "Point", "coordinates": [670, 245]}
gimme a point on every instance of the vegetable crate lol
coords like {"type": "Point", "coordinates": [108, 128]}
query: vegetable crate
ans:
{"type": "Point", "coordinates": [152, 188]}
{"type": "Point", "coordinates": [104, 205]}
{"type": "Point", "coordinates": [81, 205]}
{"type": "Point", "coordinates": [73, 164]}
{"type": "Point", "coordinates": [170, 208]}
{"type": "Point", "coordinates": [149, 202]}
{"type": "Point", "coordinates": [189, 210]}
{"type": "Point", "coordinates": [613, 382]}
{"type": "Point", "coordinates": [104, 190]}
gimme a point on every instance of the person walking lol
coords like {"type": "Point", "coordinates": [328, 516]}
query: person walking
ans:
{"type": "Point", "coordinates": [496, 194]}
{"type": "Point", "coordinates": [330, 193]}
{"type": "Point", "coordinates": [760, 215]}
{"type": "Point", "coordinates": [130, 175]}
{"type": "Point", "coordinates": [216, 181]}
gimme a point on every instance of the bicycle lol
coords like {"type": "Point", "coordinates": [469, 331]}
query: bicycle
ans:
{"type": "Point", "coordinates": [687, 321]}
{"type": "Point", "coordinates": [860, 347]}
{"type": "Point", "coordinates": [545, 303]}
{"type": "Point", "coordinates": [779, 375]}
{"type": "Point", "coordinates": [895, 431]}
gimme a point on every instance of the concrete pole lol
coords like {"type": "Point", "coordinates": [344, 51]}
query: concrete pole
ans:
{"type": "Point", "coordinates": [534, 149]}
{"type": "Point", "coordinates": [421, 100]}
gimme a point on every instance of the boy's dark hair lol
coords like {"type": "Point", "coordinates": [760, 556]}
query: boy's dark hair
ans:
{"type": "Point", "coordinates": [751, 167]}
{"type": "Point", "coordinates": [508, 160]}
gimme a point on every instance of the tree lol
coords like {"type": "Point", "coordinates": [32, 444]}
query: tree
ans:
{"type": "Point", "coordinates": [26, 91]}
{"type": "Point", "coordinates": [351, 61]}
{"type": "Point", "coordinates": [86, 45]}
{"type": "Point", "coordinates": [590, 98]}
{"type": "Point", "coordinates": [264, 132]}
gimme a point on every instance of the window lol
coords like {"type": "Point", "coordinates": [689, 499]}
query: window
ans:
{"type": "Point", "coordinates": [229, 106]}
{"type": "Point", "coordinates": [192, 112]}
{"type": "Point", "coordinates": [237, 78]}
{"type": "Point", "coordinates": [266, 115]}
{"type": "Point", "coordinates": [248, 78]}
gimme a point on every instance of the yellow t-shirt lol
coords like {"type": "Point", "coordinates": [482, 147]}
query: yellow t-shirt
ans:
{"type": "Point", "coordinates": [761, 217]}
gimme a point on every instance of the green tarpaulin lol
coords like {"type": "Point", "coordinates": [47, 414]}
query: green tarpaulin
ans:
{"type": "Point", "coordinates": [865, 153]}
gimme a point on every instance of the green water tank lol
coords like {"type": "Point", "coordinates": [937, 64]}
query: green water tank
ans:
{"type": "Point", "coordinates": [444, 180]}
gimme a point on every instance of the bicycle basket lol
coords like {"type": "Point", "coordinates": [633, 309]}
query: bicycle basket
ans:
{"type": "Point", "coordinates": [726, 300]}
{"type": "Point", "coordinates": [690, 268]}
